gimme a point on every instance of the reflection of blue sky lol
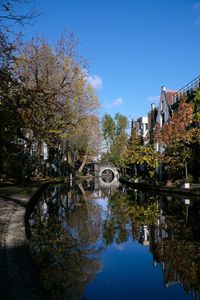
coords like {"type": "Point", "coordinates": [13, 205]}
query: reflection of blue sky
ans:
{"type": "Point", "coordinates": [119, 247]}
{"type": "Point", "coordinates": [103, 202]}
{"type": "Point", "coordinates": [127, 269]}
{"type": "Point", "coordinates": [128, 273]}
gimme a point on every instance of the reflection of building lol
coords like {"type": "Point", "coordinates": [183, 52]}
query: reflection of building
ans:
{"type": "Point", "coordinates": [170, 276]}
{"type": "Point", "coordinates": [177, 255]}
{"type": "Point", "coordinates": [107, 188]}
{"type": "Point", "coordinates": [171, 230]}
{"type": "Point", "coordinates": [144, 235]}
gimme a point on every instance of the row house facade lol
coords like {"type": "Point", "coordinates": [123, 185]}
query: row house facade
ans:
{"type": "Point", "coordinates": [160, 115]}
{"type": "Point", "coordinates": [142, 127]}
{"type": "Point", "coordinates": [145, 126]}
{"type": "Point", "coordinates": [164, 111]}
{"type": "Point", "coordinates": [169, 102]}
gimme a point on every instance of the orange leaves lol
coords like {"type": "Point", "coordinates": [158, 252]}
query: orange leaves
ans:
{"type": "Point", "coordinates": [179, 129]}
{"type": "Point", "coordinates": [177, 136]}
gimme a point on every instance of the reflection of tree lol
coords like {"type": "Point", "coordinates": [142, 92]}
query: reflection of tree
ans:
{"type": "Point", "coordinates": [183, 257]}
{"type": "Point", "coordinates": [143, 217]}
{"type": "Point", "coordinates": [172, 237]}
{"type": "Point", "coordinates": [63, 242]}
{"type": "Point", "coordinates": [125, 213]}
{"type": "Point", "coordinates": [179, 253]}
{"type": "Point", "coordinates": [115, 225]}
{"type": "Point", "coordinates": [66, 237]}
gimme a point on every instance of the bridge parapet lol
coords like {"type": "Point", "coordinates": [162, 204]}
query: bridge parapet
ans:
{"type": "Point", "coordinates": [103, 168]}
{"type": "Point", "coordinates": [109, 168]}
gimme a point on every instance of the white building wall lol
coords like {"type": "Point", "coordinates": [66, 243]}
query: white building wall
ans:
{"type": "Point", "coordinates": [163, 115]}
{"type": "Point", "coordinates": [142, 128]}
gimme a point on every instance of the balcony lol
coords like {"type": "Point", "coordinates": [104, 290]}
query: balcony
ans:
{"type": "Point", "coordinates": [187, 90]}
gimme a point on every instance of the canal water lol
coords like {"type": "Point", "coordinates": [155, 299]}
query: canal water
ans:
{"type": "Point", "coordinates": [96, 240]}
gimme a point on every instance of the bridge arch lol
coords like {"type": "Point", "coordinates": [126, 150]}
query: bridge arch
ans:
{"type": "Point", "coordinates": [104, 184]}
{"type": "Point", "coordinates": [109, 173]}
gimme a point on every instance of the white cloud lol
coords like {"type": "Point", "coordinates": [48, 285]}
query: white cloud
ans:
{"type": "Point", "coordinates": [154, 99]}
{"type": "Point", "coordinates": [117, 102]}
{"type": "Point", "coordinates": [196, 5]}
{"type": "Point", "coordinates": [95, 81]}
{"type": "Point", "coordinates": [119, 247]}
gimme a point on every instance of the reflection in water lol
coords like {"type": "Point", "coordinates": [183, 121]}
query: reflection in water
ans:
{"type": "Point", "coordinates": [64, 234]}
{"type": "Point", "coordinates": [72, 232]}
{"type": "Point", "coordinates": [107, 175]}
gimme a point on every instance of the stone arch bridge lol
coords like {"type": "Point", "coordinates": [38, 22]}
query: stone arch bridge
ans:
{"type": "Point", "coordinates": [106, 169]}
{"type": "Point", "coordinates": [107, 173]}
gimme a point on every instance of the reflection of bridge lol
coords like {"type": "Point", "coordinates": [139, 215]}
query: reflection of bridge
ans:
{"type": "Point", "coordinates": [108, 175]}
{"type": "Point", "coordinates": [103, 169]}
{"type": "Point", "coordinates": [114, 183]}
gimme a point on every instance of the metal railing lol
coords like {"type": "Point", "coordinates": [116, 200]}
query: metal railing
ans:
{"type": "Point", "coordinates": [187, 90]}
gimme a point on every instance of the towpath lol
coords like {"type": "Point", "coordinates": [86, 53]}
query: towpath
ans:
{"type": "Point", "coordinates": [18, 275]}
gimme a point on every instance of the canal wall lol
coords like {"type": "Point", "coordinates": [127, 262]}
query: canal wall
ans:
{"type": "Point", "coordinates": [192, 191]}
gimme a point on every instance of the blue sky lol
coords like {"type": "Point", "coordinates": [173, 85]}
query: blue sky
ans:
{"type": "Point", "coordinates": [133, 47]}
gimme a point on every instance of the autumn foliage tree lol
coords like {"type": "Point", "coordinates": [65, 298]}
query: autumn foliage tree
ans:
{"type": "Point", "coordinates": [176, 138]}
{"type": "Point", "coordinates": [11, 13]}
{"type": "Point", "coordinates": [196, 108]}
{"type": "Point", "coordinates": [86, 140]}
{"type": "Point", "coordinates": [45, 98]}
{"type": "Point", "coordinates": [136, 154]}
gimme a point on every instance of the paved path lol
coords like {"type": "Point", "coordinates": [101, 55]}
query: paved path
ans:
{"type": "Point", "coordinates": [18, 276]}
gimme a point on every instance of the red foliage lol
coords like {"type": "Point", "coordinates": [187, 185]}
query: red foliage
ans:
{"type": "Point", "coordinates": [179, 129]}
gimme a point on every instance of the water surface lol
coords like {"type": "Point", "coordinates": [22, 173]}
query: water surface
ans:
{"type": "Point", "coordinates": [102, 241]}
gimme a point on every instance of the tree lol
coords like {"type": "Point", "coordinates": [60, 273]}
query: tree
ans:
{"type": "Point", "coordinates": [115, 135]}
{"type": "Point", "coordinates": [131, 147]}
{"type": "Point", "coordinates": [195, 159]}
{"type": "Point", "coordinates": [56, 91]}
{"type": "Point", "coordinates": [9, 123]}
{"type": "Point", "coordinates": [136, 154]}
{"type": "Point", "coordinates": [196, 108]}
{"type": "Point", "coordinates": [177, 136]}
{"type": "Point", "coordinates": [47, 98]}
{"type": "Point", "coordinates": [121, 124]}
{"type": "Point", "coordinates": [11, 13]}
{"type": "Point", "coordinates": [108, 128]}
{"type": "Point", "coordinates": [142, 155]}
{"type": "Point", "coordinates": [86, 140]}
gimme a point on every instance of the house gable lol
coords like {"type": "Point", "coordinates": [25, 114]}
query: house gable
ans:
{"type": "Point", "coordinates": [164, 109]}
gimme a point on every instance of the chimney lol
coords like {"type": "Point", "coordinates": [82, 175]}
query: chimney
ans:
{"type": "Point", "coordinates": [152, 106]}
{"type": "Point", "coordinates": [153, 121]}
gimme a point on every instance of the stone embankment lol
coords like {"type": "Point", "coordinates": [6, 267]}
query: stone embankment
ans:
{"type": "Point", "coordinates": [193, 191]}
{"type": "Point", "coordinates": [18, 276]}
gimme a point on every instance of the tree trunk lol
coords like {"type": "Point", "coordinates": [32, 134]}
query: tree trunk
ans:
{"type": "Point", "coordinates": [135, 170]}
{"type": "Point", "coordinates": [186, 170]}
{"type": "Point", "coordinates": [80, 170]}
